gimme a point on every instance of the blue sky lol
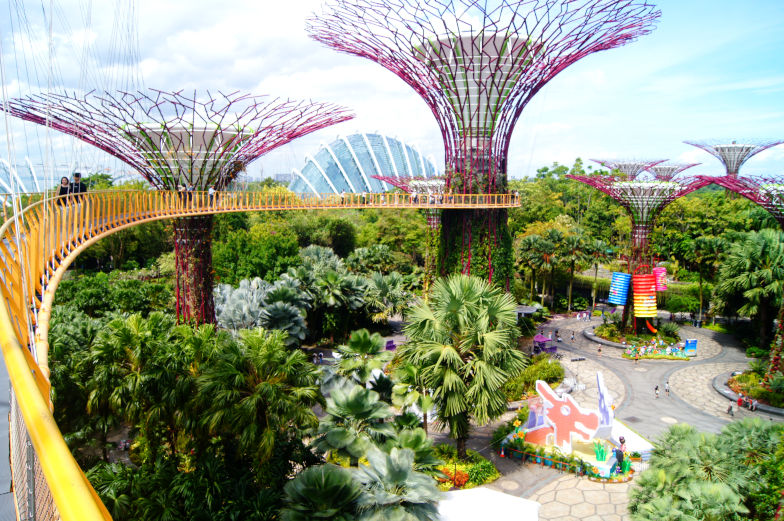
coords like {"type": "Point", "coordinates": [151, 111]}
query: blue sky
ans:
{"type": "Point", "coordinates": [711, 69]}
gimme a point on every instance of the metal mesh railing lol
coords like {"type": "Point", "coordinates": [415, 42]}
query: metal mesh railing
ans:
{"type": "Point", "coordinates": [33, 498]}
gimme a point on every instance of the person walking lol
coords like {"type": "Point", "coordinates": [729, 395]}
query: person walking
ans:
{"type": "Point", "coordinates": [667, 388]}
{"type": "Point", "coordinates": [754, 404]}
{"type": "Point", "coordinates": [77, 187]}
{"type": "Point", "coordinates": [730, 411]}
{"type": "Point", "coordinates": [656, 391]}
{"type": "Point", "coordinates": [63, 190]}
{"type": "Point", "coordinates": [572, 336]}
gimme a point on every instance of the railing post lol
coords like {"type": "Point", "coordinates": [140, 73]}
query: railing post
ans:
{"type": "Point", "coordinates": [30, 475]}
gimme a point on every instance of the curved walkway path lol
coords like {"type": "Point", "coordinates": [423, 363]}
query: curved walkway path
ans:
{"type": "Point", "coordinates": [692, 400]}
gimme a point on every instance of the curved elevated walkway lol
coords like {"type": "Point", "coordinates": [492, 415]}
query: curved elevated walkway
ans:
{"type": "Point", "coordinates": [37, 246]}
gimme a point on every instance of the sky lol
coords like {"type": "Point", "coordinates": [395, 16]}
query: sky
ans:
{"type": "Point", "coordinates": [710, 69]}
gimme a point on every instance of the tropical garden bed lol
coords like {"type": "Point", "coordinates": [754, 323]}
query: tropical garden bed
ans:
{"type": "Point", "coordinates": [473, 471]}
{"type": "Point", "coordinates": [750, 384]}
{"type": "Point", "coordinates": [541, 367]}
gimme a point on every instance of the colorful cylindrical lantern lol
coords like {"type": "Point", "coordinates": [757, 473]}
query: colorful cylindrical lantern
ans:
{"type": "Point", "coordinates": [661, 278]}
{"type": "Point", "coordinates": [644, 295]}
{"type": "Point", "coordinates": [619, 288]}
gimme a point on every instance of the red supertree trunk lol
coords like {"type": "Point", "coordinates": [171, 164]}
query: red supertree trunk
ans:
{"type": "Point", "coordinates": [193, 258]}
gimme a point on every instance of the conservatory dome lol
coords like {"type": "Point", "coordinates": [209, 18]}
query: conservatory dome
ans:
{"type": "Point", "coordinates": [349, 163]}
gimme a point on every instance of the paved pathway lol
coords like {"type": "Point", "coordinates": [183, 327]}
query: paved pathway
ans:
{"type": "Point", "coordinates": [571, 498]}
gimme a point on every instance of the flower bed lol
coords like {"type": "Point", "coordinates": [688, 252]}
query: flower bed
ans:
{"type": "Point", "coordinates": [473, 471]}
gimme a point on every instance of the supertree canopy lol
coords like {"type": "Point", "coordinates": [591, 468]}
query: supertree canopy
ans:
{"type": "Point", "coordinates": [630, 168]}
{"type": "Point", "coordinates": [176, 140]}
{"type": "Point", "coordinates": [643, 198]}
{"type": "Point", "coordinates": [476, 66]}
{"type": "Point", "coordinates": [733, 154]}
{"type": "Point", "coordinates": [666, 171]}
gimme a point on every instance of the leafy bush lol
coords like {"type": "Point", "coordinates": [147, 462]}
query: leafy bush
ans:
{"type": "Point", "coordinates": [608, 332]}
{"type": "Point", "coordinates": [541, 368]}
{"type": "Point", "coordinates": [760, 367]}
{"type": "Point", "coordinates": [481, 471]}
{"type": "Point", "coordinates": [756, 352]}
{"type": "Point", "coordinates": [445, 451]}
{"type": "Point", "coordinates": [670, 331]}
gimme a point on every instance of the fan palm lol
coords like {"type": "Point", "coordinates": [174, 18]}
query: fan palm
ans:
{"type": "Point", "coordinates": [464, 341]}
{"type": "Point", "coordinates": [362, 354]}
{"type": "Point", "coordinates": [355, 419]}
{"type": "Point", "coordinates": [256, 388]}
{"type": "Point", "coordinates": [754, 267]}
{"type": "Point", "coordinates": [321, 492]}
{"type": "Point", "coordinates": [574, 256]}
{"type": "Point", "coordinates": [287, 318]}
{"type": "Point", "coordinates": [410, 391]}
{"type": "Point", "coordinates": [387, 295]}
{"type": "Point", "coordinates": [393, 490]}
{"type": "Point", "coordinates": [417, 441]}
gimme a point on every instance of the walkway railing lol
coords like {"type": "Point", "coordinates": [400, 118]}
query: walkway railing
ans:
{"type": "Point", "coordinates": [38, 245]}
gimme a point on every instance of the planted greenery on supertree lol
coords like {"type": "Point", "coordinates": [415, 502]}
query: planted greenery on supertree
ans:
{"type": "Point", "coordinates": [186, 141]}
{"type": "Point", "coordinates": [477, 66]}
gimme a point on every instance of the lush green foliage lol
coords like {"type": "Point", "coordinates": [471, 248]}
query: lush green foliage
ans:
{"type": "Point", "coordinates": [735, 475]}
{"type": "Point", "coordinates": [127, 292]}
{"type": "Point", "coordinates": [540, 368]}
{"type": "Point", "coordinates": [463, 339]}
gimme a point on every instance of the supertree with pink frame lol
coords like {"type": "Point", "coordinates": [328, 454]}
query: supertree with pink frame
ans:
{"type": "Point", "coordinates": [476, 66]}
{"type": "Point", "coordinates": [178, 140]}
{"type": "Point", "coordinates": [768, 192]}
{"type": "Point", "coordinates": [644, 198]}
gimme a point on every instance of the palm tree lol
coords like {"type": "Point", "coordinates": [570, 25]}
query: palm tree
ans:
{"type": "Point", "coordinates": [355, 419]}
{"type": "Point", "coordinates": [394, 490]}
{"type": "Point", "coordinates": [388, 295]}
{"type": "Point", "coordinates": [463, 339]}
{"type": "Point", "coordinates": [287, 318]}
{"type": "Point", "coordinates": [256, 388]}
{"type": "Point", "coordinates": [362, 354]}
{"type": "Point", "coordinates": [417, 441]}
{"type": "Point", "coordinates": [597, 253]}
{"type": "Point", "coordinates": [573, 255]}
{"type": "Point", "coordinates": [410, 391]}
{"type": "Point", "coordinates": [526, 257]}
{"type": "Point", "coordinates": [556, 238]}
{"type": "Point", "coordinates": [754, 267]}
{"type": "Point", "coordinates": [321, 492]}
{"type": "Point", "coordinates": [705, 254]}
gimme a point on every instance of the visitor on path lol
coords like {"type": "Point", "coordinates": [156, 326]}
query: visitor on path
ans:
{"type": "Point", "coordinates": [64, 189]}
{"type": "Point", "coordinates": [754, 404]}
{"type": "Point", "coordinates": [77, 187]}
{"type": "Point", "coordinates": [740, 400]}
{"type": "Point", "coordinates": [599, 350]}
{"type": "Point", "coordinates": [637, 358]}
{"type": "Point", "coordinates": [656, 391]}
{"type": "Point", "coordinates": [667, 388]}
{"type": "Point", "coordinates": [572, 336]}
{"type": "Point", "coordinates": [211, 194]}
{"type": "Point", "coordinates": [730, 411]}
{"type": "Point", "coordinates": [315, 359]}
{"type": "Point", "coordinates": [320, 358]}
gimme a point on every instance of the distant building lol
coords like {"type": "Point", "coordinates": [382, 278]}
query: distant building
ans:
{"type": "Point", "coordinates": [349, 163]}
{"type": "Point", "coordinates": [283, 178]}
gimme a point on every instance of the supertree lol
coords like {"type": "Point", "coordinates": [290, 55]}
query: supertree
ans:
{"type": "Point", "coordinates": [768, 192]}
{"type": "Point", "coordinates": [432, 189]}
{"type": "Point", "coordinates": [734, 154]}
{"type": "Point", "coordinates": [476, 66]}
{"type": "Point", "coordinates": [176, 140]}
{"type": "Point", "coordinates": [643, 198]}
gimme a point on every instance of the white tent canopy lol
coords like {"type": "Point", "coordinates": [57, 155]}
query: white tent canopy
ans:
{"type": "Point", "coordinates": [486, 503]}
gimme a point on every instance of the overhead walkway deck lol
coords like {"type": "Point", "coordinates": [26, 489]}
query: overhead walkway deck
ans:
{"type": "Point", "coordinates": [39, 242]}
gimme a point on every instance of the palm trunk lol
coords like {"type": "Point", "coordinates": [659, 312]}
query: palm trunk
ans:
{"type": "Point", "coordinates": [764, 325]}
{"type": "Point", "coordinates": [533, 277]}
{"type": "Point", "coordinates": [571, 282]}
{"type": "Point", "coordinates": [700, 311]}
{"type": "Point", "coordinates": [424, 421]}
{"type": "Point", "coordinates": [461, 448]}
{"type": "Point", "coordinates": [595, 278]}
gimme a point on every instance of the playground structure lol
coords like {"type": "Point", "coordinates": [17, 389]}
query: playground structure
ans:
{"type": "Point", "coordinates": [185, 142]}
{"type": "Point", "coordinates": [38, 244]}
{"type": "Point", "coordinates": [561, 433]}
{"type": "Point", "coordinates": [477, 66]}
{"type": "Point", "coordinates": [644, 199]}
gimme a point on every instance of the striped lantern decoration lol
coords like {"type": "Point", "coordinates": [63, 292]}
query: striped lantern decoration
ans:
{"type": "Point", "coordinates": [644, 295]}
{"type": "Point", "coordinates": [619, 288]}
{"type": "Point", "coordinates": [661, 278]}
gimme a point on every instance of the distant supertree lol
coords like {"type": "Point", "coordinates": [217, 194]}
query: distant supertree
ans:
{"type": "Point", "coordinates": [477, 65]}
{"type": "Point", "coordinates": [733, 154]}
{"type": "Point", "coordinates": [667, 171]}
{"type": "Point", "coordinates": [630, 168]}
{"type": "Point", "coordinates": [174, 140]}
{"type": "Point", "coordinates": [643, 198]}
{"type": "Point", "coordinates": [768, 192]}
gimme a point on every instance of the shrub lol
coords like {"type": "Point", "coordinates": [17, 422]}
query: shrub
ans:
{"type": "Point", "coordinates": [541, 368]}
{"type": "Point", "coordinates": [608, 332]}
{"type": "Point", "coordinates": [756, 352]}
{"type": "Point", "coordinates": [445, 451]}
{"type": "Point", "coordinates": [481, 471]}
{"type": "Point", "coordinates": [458, 477]}
{"type": "Point", "coordinates": [669, 330]}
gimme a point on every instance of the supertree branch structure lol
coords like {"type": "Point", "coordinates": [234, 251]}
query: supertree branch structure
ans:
{"type": "Point", "coordinates": [476, 66]}
{"type": "Point", "coordinates": [768, 192]}
{"type": "Point", "coordinates": [629, 168]}
{"type": "Point", "coordinates": [426, 188]}
{"type": "Point", "coordinates": [644, 200]}
{"type": "Point", "coordinates": [667, 171]}
{"type": "Point", "coordinates": [733, 155]}
{"type": "Point", "coordinates": [178, 140]}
